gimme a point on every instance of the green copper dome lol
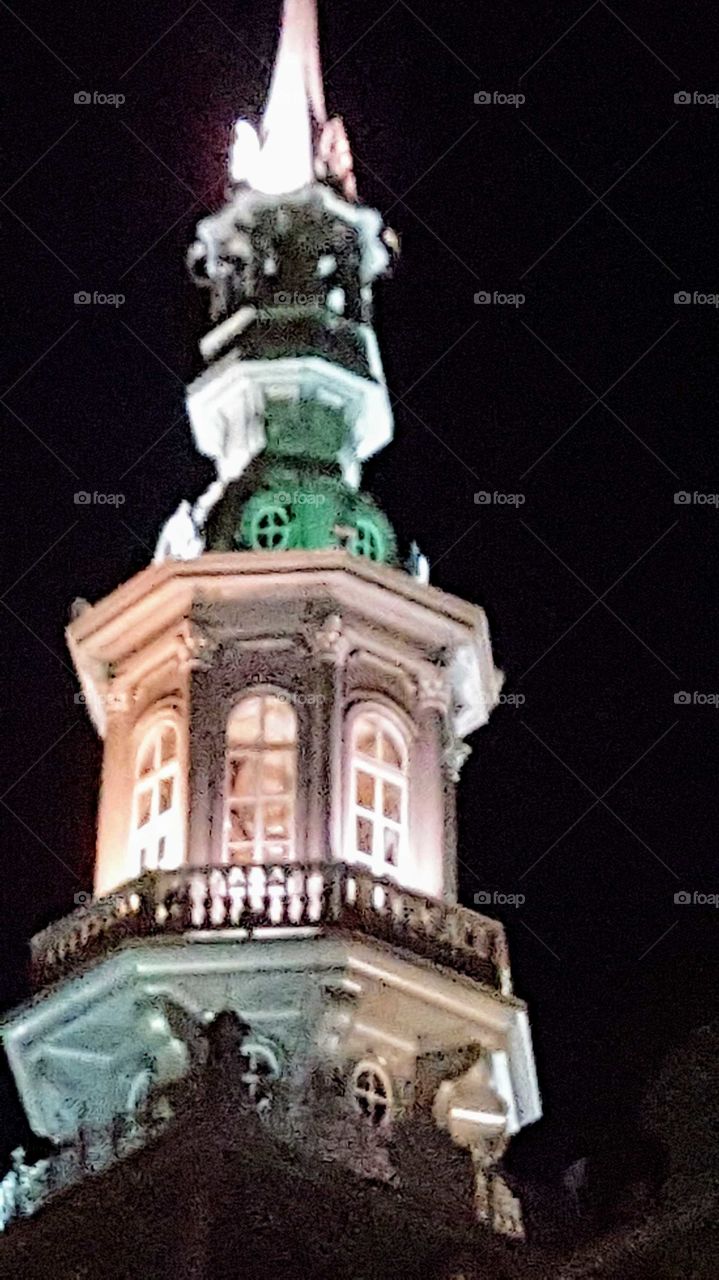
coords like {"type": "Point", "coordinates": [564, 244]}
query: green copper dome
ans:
{"type": "Point", "coordinates": [293, 496]}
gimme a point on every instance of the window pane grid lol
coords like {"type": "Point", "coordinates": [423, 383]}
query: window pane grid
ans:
{"type": "Point", "coordinates": [156, 826]}
{"type": "Point", "coordinates": [260, 780]}
{"type": "Point", "coordinates": [379, 794]}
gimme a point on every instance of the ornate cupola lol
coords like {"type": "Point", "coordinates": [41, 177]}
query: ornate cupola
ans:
{"type": "Point", "coordinates": [283, 707]}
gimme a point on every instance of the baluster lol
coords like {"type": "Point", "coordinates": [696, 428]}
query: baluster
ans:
{"type": "Point", "coordinates": [198, 900]}
{"type": "Point", "coordinates": [379, 898]}
{"type": "Point", "coordinates": [276, 895]}
{"type": "Point", "coordinates": [181, 909]}
{"type": "Point", "coordinates": [316, 891]}
{"type": "Point", "coordinates": [257, 891]}
{"type": "Point", "coordinates": [168, 902]}
{"type": "Point", "coordinates": [335, 891]}
{"type": "Point", "coordinates": [349, 889]}
{"type": "Point", "coordinates": [237, 881]}
{"type": "Point", "coordinates": [295, 896]}
{"type": "Point", "coordinates": [365, 886]}
{"type": "Point", "coordinates": [217, 892]}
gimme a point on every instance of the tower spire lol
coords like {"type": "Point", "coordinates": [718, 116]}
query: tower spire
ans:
{"type": "Point", "coordinates": [297, 64]}
{"type": "Point", "coordinates": [297, 144]}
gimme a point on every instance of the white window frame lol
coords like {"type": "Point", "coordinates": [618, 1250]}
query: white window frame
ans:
{"type": "Point", "coordinates": [261, 748]}
{"type": "Point", "coordinates": [382, 774]}
{"type": "Point", "coordinates": [167, 825]}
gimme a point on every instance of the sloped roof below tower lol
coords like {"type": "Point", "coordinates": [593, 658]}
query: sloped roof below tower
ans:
{"type": "Point", "coordinates": [217, 1198]}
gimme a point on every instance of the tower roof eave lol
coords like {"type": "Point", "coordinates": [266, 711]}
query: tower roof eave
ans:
{"type": "Point", "coordinates": [156, 602]}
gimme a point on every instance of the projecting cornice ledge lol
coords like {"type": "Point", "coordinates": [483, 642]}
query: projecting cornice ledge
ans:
{"type": "Point", "coordinates": [157, 603]}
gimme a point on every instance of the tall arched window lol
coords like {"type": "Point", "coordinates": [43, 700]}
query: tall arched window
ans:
{"type": "Point", "coordinates": [157, 813]}
{"type": "Point", "coordinates": [377, 833]}
{"type": "Point", "coordinates": [260, 783]}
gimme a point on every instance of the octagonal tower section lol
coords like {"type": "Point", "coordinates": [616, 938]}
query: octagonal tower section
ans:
{"type": "Point", "coordinates": [279, 707]}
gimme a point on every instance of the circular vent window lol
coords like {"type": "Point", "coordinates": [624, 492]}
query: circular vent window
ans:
{"type": "Point", "coordinates": [372, 1093]}
{"type": "Point", "coordinates": [270, 527]}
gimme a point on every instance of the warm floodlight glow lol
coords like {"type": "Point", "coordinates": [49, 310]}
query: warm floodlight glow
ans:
{"type": "Point", "coordinates": [244, 154]}
{"type": "Point", "coordinates": [285, 160]}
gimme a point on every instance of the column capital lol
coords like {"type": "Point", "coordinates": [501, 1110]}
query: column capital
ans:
{"type": "Point", "coordinates": [329, 640]}
{"type": "Point", "coordinates": [196, 645]}
{"type": "Point", "coordinates": [456, 751]}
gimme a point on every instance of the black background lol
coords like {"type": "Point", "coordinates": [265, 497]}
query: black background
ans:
{"type": "Point", "coordinates": [92, 399]}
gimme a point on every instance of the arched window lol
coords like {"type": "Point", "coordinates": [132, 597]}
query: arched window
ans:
{"type": "Point", "coordinates": [157, 814]}
{"type": "Point", "coordinates": [377, 833]}
{"type": "Point", "coordinates": [261, 780]}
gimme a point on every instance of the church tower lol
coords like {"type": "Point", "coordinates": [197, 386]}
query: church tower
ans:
{"type": "Point", "coordinates": [283, 705]}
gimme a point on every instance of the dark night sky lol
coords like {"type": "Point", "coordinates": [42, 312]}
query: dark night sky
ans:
{"type": "Point", "coordinates": [488, 398]}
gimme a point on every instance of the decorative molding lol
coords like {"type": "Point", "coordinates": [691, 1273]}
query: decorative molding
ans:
{"type": "Point", "coordinates": [433, 689]}
{"type": "Point", "coordinates": [330, 641]}
{"type": "Point", "coordinates": [394, 671]}
{"type": "Point", "coordinates": [454, 755]}
{"type": "Point", "coordinates": [116, 701]}
{"type": "Point", "coordinates": [197, 645]}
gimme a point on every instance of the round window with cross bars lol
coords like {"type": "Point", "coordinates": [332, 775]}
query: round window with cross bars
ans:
{"type": "Point", "coordinates": [372, 1093]}
{"type": "Point", "coordinates": [270, 527]}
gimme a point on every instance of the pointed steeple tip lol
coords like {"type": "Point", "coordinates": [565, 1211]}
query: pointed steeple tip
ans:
{"type": "Point", "coordinates": [297, 144]}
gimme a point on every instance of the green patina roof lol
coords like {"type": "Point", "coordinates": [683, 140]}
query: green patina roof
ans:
{"type": "Point", "coordinates": [293, 496]}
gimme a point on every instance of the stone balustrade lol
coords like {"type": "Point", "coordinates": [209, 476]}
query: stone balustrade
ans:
{"type": "Point", "coordinates": [321, 898]}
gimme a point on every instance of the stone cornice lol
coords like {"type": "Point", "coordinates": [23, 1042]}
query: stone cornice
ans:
{"type": "Point", "coordinates": [157, 603]}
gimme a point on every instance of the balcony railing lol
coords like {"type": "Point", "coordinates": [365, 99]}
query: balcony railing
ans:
{"type": "Point", "coordinates": [323, 898]}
